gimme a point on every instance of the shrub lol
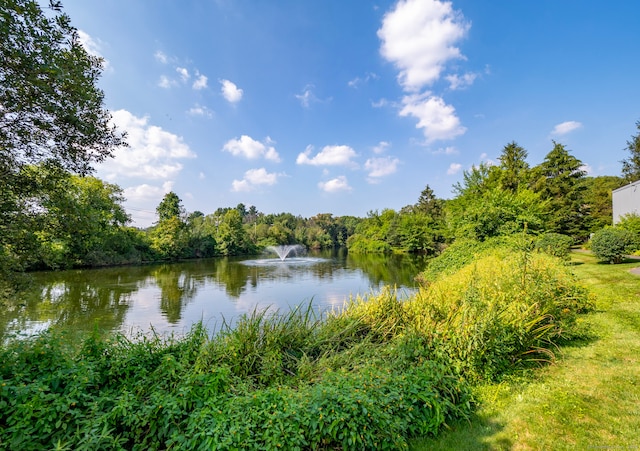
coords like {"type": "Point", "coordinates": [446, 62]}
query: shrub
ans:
{"type": "Point", "coordinates": [631, 222]}
{"type": "Point", "coordinates": [611, 244]}
{"type": "Point", "coordinates": [555, 244]}
{"type": "Point", "coordinates": [499, 310]}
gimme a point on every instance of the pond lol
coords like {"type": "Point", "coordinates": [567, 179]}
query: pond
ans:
{"type": "Point", "coordinates": [171, 297]}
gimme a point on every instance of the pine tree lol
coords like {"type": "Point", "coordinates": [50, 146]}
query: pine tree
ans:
{"type": "Point", "coordinates": [631, 165]}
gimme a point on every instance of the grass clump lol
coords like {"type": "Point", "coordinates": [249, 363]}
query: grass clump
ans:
{"type": "Point", "coordinates": [370, 376]}
{"type": "Point", "coordinates": [501, 310]}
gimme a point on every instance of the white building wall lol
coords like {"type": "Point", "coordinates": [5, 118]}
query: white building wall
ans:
{"type": "Point", "coordinates": [626, 200]}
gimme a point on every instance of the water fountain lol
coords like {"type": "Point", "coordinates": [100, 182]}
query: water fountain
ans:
{"type": "Point", "coordinates": [288, 256]}
{"type": "Point", "coordinates": [284, 250]}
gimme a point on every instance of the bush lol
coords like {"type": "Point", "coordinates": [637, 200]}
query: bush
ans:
{"type": "Point", "coordinates": [631, 222]}
{"type": "Point", "coordinates": [500, 310]}
{"type": "Point", "coordinates": [611, 244]}
{"type": "Point", "coordinates": [555, 244]}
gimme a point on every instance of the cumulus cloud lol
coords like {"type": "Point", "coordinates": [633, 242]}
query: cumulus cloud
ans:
{"type": "Point", "coordinates": [335, 185]}
{"type": "Point", "coordinates": [138, 198]}
{"type": "Point", "coordinates": [200, 82]}
{"type": "Point", "coordinates": [165, 82]}
{"type": "Point", "coordinates": [93, 47]}
{"type": "Point", "coordinates": [380, 167]}
{"type": "Point", "coordinates": [200, 110]}
{"type": "Point", "coordinates": [381, 147]}
{"type": "Point", "coordinates": [183, 72]}
{"type": "Point", "coordinates": [251, 149]}
{"type": "Point", "coordinates": [153, 153]}
{"type": "Point", "coordinates": [230, 91]}
{"type": "Point", "coordinates": [565, 127]}
{"type": "Point", "coordinates": [437, 119]}
{"type": "Point", "coordinates": [145, 194]}
{"type": "Point", "coordinates": [328, 156]}
{"type": "Point", "coordinates": [454, 168]}
{"type": "Point", "coordinates": [419, 37]}
{"type": "Point", "coordinates": [254, 178]}
{"type": "Point", "coordinates": [460, 81]}
{"type": "Point", "coordinates": [161, 57]}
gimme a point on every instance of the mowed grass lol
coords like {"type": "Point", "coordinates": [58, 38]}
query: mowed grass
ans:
{"type": "Point", "coordinates": [589, 398]}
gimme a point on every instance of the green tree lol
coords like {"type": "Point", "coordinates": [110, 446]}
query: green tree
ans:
{"type": "Point", "coordinates": [52, 109]}
{"type": "Point", "coordinates": [495, 212]}
{"type": "Point", "coordinates": [170, 237]}
{"type": "Point", "coordinates": [84, 220]}
{"type": "Point", "coordinates": [631, 165]}
{"type": "Point", "coordinates": [428, 203]}
{"type": "Point", "coordinates": [559, 180]}
{"type": "Point", "coordinates": [514, 169]}
{"type": "Point", "coordinates": [51, 113]}
{"type": "Point", "coordinates": [170, 207]}
{"type": "Point", "coordinates": [598, 199]}
{"type": "Point", "coordinates": [231, 237]}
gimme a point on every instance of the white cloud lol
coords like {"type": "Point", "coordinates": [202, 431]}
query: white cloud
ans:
{"type": "Point", "coordinates": [454, 168]}
{"type": "Point", "coordinates": [420, 37]}
{"type": "Point", "coordinates": [437, 119]}
{"type": "Point", "coordinates": [139, 200]}
{"type": "Point", "coordinates": [200, 82]}
{"type": "Point", "coordinates": [251, 149]}
{"type": "Point", "coordinates": [449, 150]}
{"type": "Point", "coordinates": [307, 97]}
{"type": "Point", "coordinates": [183, 72]}
{"type": "Point", "coordinates": [161, 57]}
{"type": "Point", "coordinates": [335, 185]}
{"type": "Point", "coordinates": [380, 103]}
{"type": "Point", "coordinates": [587, 169]}
{"type": "Point", "coordinates": [93, 47]}
{"type": "Point", "coordinates": [381, 147]}
{"type": "Point", "coordinates": [200, 110]}
{"type": "Point", "coordinates": [165, 82]}
{"type": "Point", "coordinates": [144, 194]}
{"type": "Point", "coordinates": [565, 127]}
{"type": "Point", "coordinates": [230, 91]}
{"type": "Point", "coordinates": [356, 82]}
{"type": "Point", "coordinates": [380, 167]}
{"type": "Point", "coordinates": [253, 178]}
{"type": "Point", "coordinates": [460, 81]}
{"type": "Point", "coordinates": [153, 153]}
{"type": "Point", "coordinates": [328, 156]}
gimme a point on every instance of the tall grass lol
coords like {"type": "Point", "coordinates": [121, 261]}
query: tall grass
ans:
{"type": "Point", "coordinates": [371, 375]}
{"type": "Point", "coordinates": [500, 310]}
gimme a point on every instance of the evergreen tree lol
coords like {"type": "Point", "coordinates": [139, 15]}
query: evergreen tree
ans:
{"type": "Point", "coordinates": [428, 203]}
{"type": "Point", "coordinates": [631, 165]}
{"type": "Point", "coordinates": [514, 167]}
{"type": "Point", "coordinates": [558, 179]}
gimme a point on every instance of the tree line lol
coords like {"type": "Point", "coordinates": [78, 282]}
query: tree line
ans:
{"type": "Point", "coordinates": [54, 128]}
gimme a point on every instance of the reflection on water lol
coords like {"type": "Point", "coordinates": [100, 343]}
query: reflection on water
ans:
{"type": "Point", "coordinates": [171, 297]}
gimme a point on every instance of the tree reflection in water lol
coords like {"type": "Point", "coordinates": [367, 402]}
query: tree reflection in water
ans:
{"type": "Point", "coordinates": [170, 297]}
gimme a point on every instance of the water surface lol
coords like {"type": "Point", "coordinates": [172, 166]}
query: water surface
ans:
{"type": "Point", "coordinates": [171, 297]}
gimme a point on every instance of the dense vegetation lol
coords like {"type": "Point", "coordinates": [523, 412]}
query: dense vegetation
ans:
{"type": "Point", "coordinates": [372, 375]}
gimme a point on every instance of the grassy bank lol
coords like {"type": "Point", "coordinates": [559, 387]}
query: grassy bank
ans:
{"type": "Point", "coordinates": [588, 399]}
{"type": "Point", "coordinates": [372, 376]}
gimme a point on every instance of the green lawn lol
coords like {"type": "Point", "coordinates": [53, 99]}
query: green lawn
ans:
{"type": "Point", "coordinates": [588, 399]}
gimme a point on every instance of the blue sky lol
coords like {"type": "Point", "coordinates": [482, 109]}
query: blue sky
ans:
{"type": "Point", "coordinates": [346, 107]}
